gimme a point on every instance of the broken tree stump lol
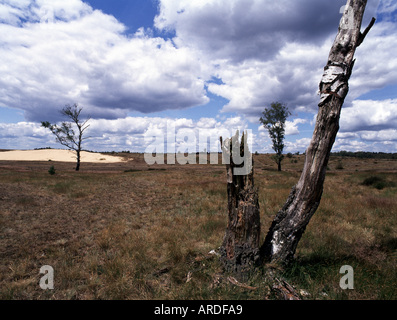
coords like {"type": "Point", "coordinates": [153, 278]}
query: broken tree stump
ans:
{"type": "Point", "coordinates": [240, 248]}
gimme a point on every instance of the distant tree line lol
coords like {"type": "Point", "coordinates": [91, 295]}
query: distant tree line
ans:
{"type": "Point", "coordinates": [365, 155]}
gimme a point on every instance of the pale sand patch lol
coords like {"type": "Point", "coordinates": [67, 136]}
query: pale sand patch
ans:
{"type": "Point", "coordinates": [57, 155]}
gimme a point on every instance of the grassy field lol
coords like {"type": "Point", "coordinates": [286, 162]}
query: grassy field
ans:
{"type": "Point", "coordinates": [130, 231]}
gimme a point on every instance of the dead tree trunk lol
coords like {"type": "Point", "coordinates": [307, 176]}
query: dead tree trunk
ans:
{"type": "Point", "coordinates": [240, 247]}
{"type": "Point", "coordinates": [291, 221]}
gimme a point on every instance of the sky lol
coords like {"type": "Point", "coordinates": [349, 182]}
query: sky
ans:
{"type": "Point", "coordinates": [143, 68]}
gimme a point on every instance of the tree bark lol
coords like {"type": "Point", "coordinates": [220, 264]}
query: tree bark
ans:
{"type": "Point", "coordinates": [78, 159]}
{"type": "Point", "coordinates": [240, 247]}
{"type": "Point", "coordinates": [291, 221]}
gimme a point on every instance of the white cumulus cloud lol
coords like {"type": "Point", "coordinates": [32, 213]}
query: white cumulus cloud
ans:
{"type": "Point", "coordinates": [56, 52]}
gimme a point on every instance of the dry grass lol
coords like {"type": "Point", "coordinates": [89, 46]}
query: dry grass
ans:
{"type": "Point", "coordinates": [122, 231]}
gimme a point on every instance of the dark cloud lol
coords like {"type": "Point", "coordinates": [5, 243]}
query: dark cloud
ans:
{"type": "Point", "coordinates": [248, 29]}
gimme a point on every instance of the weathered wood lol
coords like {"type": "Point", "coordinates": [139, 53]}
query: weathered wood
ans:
{"type": "Point", "coordinates": [240, 247]}
{"type": "Point", "coordinates": [291, 221]}
{"type": "Point", "coordinates": [284, 291]}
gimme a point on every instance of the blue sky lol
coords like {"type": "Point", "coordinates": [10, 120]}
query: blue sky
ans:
{"type": "Point", "coordinates": [209, 65]}
{"type": "Point", "coordinates": [133, 14]}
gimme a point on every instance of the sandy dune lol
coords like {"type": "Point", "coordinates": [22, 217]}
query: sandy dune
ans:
{"type": "Point", "coordinates": [56, 155]}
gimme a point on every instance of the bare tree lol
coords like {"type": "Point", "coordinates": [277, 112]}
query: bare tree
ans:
{"type": "Point", "coordinates": [65, 134]}
{"type": "Point", "coordinates": [291, 221]}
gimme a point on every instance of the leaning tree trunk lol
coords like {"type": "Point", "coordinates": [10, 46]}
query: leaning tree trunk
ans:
{"type": "Point", "coordinates": [240, 247]}
{"type": "Point", "coordinates": [290, 222]}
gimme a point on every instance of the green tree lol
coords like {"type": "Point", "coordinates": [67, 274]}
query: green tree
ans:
{"type": "Point", "coordinates": [65, 133]}
{"type": "Point", "coordinates": [273, 120]}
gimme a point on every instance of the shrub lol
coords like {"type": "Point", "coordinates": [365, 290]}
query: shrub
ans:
{"type": "Point", "coordinates": [339, 166]}
{"type": "Point", "coordinates": [51, 171]}
{"type": "Point", "coordinates": [378, 182]}
{"type": "Point", "coordinates": [372, 180]}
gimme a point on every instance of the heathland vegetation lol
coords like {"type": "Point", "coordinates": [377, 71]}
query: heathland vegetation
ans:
{"type": "Point", "coordinates": [132, 231]}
